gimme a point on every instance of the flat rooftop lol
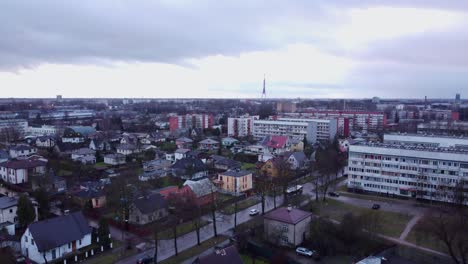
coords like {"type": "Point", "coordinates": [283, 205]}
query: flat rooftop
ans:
{"type": "Point", "coordinates": [414, 147]}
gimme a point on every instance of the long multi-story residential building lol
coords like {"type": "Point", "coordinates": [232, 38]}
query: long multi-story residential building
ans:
{"type": "Point", "coordinates": [451, 127]}
{"type": "Point", "coordinates": [44, 130]}
{"type": "Point", "coordinates": [241, 126]}
{"type": "Point", "coordinates": [19, 124]}
{"type": "Point", "coordinates": [313, 130]}
{"type": "Point", "coordinates": [355, 120]}
{"type": "Point", "coordinates": [424, 167]}
{"type": "Point", "coordinates": [191, 121]}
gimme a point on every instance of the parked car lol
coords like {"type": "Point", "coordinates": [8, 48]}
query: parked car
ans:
{"type": "Point", "coordinates": [145, 260]}
{"type": "Point", "coordinates": [307, 252]}
{"type": "Point", "coordinates": [376, 206]}
{"type": "Point", "coordinates": [253, 212]}
{"type": "Point", "coordinates": [334, 194]}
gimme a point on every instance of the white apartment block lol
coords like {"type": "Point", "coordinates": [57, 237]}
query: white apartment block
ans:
{"type": "Point", "coordinates": [313, 129]}
{"type": "Point", "coordinates": [412, 169]}
{"type": "Point", "coordinates": [44, 130]}
{"type": "Point", "coordinates": [20, 125]}
{"type": "Point", "coordinates": [428, 140]}
{"type": "Point", "coordinates": [241, 126]}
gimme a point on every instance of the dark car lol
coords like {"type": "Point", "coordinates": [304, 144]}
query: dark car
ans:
{"type": "Point", "coordinates": [145, 260]}
{"type": "Point", "coordinates": [334, 194]}
{"type": "Point", "coordinates": [376, 206]}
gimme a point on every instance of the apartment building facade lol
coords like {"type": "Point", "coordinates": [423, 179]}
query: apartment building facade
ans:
{"type": "Point", "coordinates": [191, 121]}
{"type": "Point", "coordinates": [241, 126]}
{"type": "Point", "coordinates": [431, 168]}
{"type": "Point", "coordinates": [313, 130]}
{"type": "Point", "coordinates": [352, 120]}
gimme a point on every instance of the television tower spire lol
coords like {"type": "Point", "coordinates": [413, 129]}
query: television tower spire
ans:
{"type": "Point", "coordinates": [264, 89]}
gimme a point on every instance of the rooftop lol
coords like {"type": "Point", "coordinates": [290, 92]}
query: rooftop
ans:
{"type": "Point", "coordinates": [414, 147]}
{"type": "Point", "coordinates": [235, 173]}
{"type": "Point", "coordinates": [288, 215]}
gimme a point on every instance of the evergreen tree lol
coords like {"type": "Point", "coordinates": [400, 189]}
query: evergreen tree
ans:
{"type": "Point", "coordinates": [103, 232]}
{"type": "Point", "coordinates": [26, 213]}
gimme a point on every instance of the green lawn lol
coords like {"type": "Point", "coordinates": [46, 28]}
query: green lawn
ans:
{"type": "Point", "coordinates": [368, 197]}
{"type": "Point", "coordinates": [100, 165]}
{"type": "Point", "coordinates": [247, 166]}
{"type": "Point", "coordinates": [248, 260]}
{"type": "Point", "coordinates": [240, 206]}
{"type": "Point", "coordinates": [392, 224]}
{"type": "Point", "coordinates": [194, 251]}
{"type": "Point", "coordinates": [425, 240]}
{"type": "Point", "coordinates": [182, 229]}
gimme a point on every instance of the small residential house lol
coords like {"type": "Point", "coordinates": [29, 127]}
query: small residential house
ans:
{"type": "Point", "coordinates": [276, 144]}
{"type": "Point", "coordinates": [287, 226]}
{"type": "Point", "coordinates": [114, 159]}
{"type": "Point", "coordinates": [184, 143]}
{"type": "Point", "coordinates": [148, 208]}
{"type": "Point", "coordinates": [235, 181]}
{"type": "Point", "coordinates": [181, 153]}
{"type": "Point", "coordinates": [270, 167]}
{"type": "Point", "coordinates": [76, 134]}
{"type": "Point", "coordinates": [190, 168]}
{"type": "Point", "coordinates": [227, 255]}
{"type": "Point", "coordinates": [45, 142]}
{"type": "Point", "coordinates": [223, 163]}
{"type": "Point", "coordinates": [99, 145]}
{"type": "Point", "coordinates": [93, 196]}
{"type": "Point", "coordinates": [54, 238]}
{"type": "Point", "coordinates": [229, 142]}
{"type": "Point", "coordinates": [22, 151]}
{"type": "Point", "coordinates": [156, 164]}
{"type": "Point", "coordinates": [297, 160]}
{"type": "Point", "coordinates": [126, 149]}
{"type": "Point", "coordinates": [84, 155]}
{"type": "Point", "coordinates": [296, 145]}
{"type": "Point", "coordinates": [205, 191]}
{"type": "Point", "coordinates": [8, 207]}
{"type": "Point", "coordinates": [19, 171]}
{"type": "Point", "coordinates": [208, 144]}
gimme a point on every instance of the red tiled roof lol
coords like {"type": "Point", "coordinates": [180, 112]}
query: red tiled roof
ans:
{"type": "Point", "coordinates": [277, 142]}
{"type": "Point", "coordinates": [293, 216]}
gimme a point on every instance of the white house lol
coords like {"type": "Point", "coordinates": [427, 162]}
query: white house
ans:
{"type": "Point", "coordinates": [21, 151]}
{"type": "Point", "coordinates": [45, 142]}
{"type": "Point", "coordinates": [126, 149]}
{"type": "Point", "coordinates": [54, 238]}
{"type": "Point", "coordinates": [8, 207]}
{"type": "Point", "coordinates": [19, 171]}
{"type": "Point", "coordinates": [287, 226]}
{"type": "Point", "coordinates": [84, 155]}
{"type": "Point", "coordinates": [114, 159]}
{"type": "Point", "coordinates": [180, 154]}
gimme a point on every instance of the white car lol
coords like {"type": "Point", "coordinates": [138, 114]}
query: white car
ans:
{"type": "Point", "coordinates": [253, 212]}
{"type": "Point", "coordinates": [304, 252]}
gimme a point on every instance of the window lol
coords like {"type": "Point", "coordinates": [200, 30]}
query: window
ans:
{"type": "Point", "coordinates": [32, 241]}
{"type": "Point", "coordinates": [79, 242]}
{"type": "Point", "coordinates": [25, 239]}
{"type": "Point", "coordinates": [54, 255]}
{"type": "Point", "coordinates": [69, 245]}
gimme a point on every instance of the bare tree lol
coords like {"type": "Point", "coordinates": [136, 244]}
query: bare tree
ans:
{"type": "Point", "coordinates": [262, 186]}
{"type": "Point", "coordinates": [448, 224]}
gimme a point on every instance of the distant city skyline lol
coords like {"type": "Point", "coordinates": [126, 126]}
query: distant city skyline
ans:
{"type": "Point", "coordinates": [218, 49]}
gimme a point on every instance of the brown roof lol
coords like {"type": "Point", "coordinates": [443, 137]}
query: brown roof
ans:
{"type": "Point", "coordinates": [22, 164]}
{"type": "Point", "coordinates": [292, 216]}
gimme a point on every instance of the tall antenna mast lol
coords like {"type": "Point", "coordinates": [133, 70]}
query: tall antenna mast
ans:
{"type": "Point", "coordinates": [264, 89]}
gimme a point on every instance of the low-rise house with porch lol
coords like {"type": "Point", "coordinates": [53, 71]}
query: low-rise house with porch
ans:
{"type": "Point", "coordinates": [55, 238]}
{"type": "Point", "coordinates": [208, 144]}
{"type": "Point", "coordinates": [148, 208]}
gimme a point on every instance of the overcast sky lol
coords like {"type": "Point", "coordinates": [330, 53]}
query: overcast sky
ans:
{"type": "Point", "coordinates": [204, 48]}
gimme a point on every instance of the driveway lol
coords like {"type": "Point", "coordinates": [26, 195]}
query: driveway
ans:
{"type": "Point", "coordinates": [224, 224]}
